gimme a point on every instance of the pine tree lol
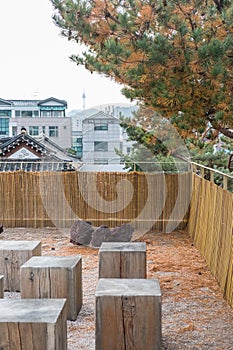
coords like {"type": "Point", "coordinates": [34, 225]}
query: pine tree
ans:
{"type": "Point", "coordinates": [175, 55]}
{"type": "Point", "coordinates": [164, 145]}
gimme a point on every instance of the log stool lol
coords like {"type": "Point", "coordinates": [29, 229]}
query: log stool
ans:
{"type": "Point", "coordinates": [122, 260]}
{"type": "Point", "coordinates": [13, 254]}
{"type": "Point", "coordinates": [33, 324]}
{"type": "Point", "coordinates": [54, 277]}
{"type": "Point", "coordinates": [128, 314]}
{"type": "Point", "coordinates": [1, 286]}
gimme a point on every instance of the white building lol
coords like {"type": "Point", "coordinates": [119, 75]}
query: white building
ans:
{"type": "Point", "coordinates": [39, 117]}
{"type": "Point", "coordinates": [77, 117]}
{"type": "Point", "coordinates": [101, 137]}
{"type": "Point", "coordinates": [79, 140]}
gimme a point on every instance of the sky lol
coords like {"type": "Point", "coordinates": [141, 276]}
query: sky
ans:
{"type": "Point", "coordinates": [35, 64]}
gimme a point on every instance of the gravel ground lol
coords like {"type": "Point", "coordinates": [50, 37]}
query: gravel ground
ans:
{"type": "Point", "coordinates": [194, 314]}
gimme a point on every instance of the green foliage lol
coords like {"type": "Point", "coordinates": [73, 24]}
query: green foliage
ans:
{"type": "Point", "coordinates": [174, 56]}
{"type": "Point", "coordinates": [155, 142]}
{"type": "Point", "coordinates": [141, 159]}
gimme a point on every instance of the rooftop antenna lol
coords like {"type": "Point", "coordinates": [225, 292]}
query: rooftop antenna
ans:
{"type": "Point", "coordinates": [83, 97]}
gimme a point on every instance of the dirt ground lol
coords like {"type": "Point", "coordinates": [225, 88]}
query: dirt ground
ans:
{"type": "Point", "coordinates": [194, 314]}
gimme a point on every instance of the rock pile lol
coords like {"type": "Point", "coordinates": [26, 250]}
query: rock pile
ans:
{"type": "Point", "coordinates": [83, 233]}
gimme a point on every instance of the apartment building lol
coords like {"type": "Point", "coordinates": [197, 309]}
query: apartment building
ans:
{"type": "Point", "coordinates": [39, 117]}
{"type": "Point", "coordinates": [81, 130]}
{"type": "Point", "coordinates": [100, 138]}
{"type": "Point", "coordinates": [77, 117]}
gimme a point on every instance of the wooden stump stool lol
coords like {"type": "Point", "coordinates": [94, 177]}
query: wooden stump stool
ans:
{"type": "Point", "coordinates": [13, 254]}
{"type": "Point", "coordinates": [33, 324]}
{"type": "Point", "coordinates": [122, 260]}
{"type": "Point", "coordinates": [54, 277]}
{"type": "Point", "coordinates": [128, 314]}
{"type": "Point", "coordinates": [1, 286]}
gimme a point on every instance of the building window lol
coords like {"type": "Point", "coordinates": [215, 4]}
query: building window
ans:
{"type": "Point", "coordinates": [17, 113]}
{"type": "Point", "coordinates": [53, 131]}
{"type": "Point", "coordinates": [79, 140]}
{"type": "Point", "coordinates": [101, 127]}
{"type": "Point", "coordinates": [4, 126]}
{"type": "Point", "coordinates": [43, 130]}
{"type": "Point", "coordinates": [101, 161]}
{"type": "Point", "coordinates": [46, 113]}
{"type": "Point", "coordinates": [34, 130]}
{"type": "Point", "coordinates": [57, 113]}
{"type": "Point", "coordinates": [36, 113]}
{"type": "Point", "coordinates": [5, 113]}
{"type": "Point", "coordinates": [100, 146]}
{"type": "Point", "coordinates": [51, 113]}
{"type": "Point", "coordinates": [14, 130]}
{"type": "Point", "coordinates": [26, 113]}
{"type": "Point", "coordinates": [128, 150]}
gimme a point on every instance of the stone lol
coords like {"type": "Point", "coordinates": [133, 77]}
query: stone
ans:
{"type": "Point", "coordinates": [101, 234]}
{"type": "Point", "coordinates": [81, 232]}
{"type": "Point", "coordinates": [122, 233]}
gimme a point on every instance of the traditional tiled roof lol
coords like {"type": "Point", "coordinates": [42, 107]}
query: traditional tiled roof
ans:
{"type": "Point", "coordinates": [41, 144]}
{"type": "Point", "coordinates": [7, 144]}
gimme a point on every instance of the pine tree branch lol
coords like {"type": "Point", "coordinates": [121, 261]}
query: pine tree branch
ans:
{"type": "Point", "coordinates": [226, 132]}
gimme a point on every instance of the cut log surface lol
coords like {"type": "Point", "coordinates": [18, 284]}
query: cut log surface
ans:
{"type": "Point", "coordinates": [122, 260]}
{"type": "Point", "coordinates": [33, 324]}
{"type": "Point", "coordinates": [54, 277]}
{"type": "Point", "coordinates": [13, 254]}
{"type": "Point", "coordinates": [128, 314]}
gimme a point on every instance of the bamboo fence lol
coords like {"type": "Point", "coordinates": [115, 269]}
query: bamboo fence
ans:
{"type": "Point", "coordinates": [161, 202]}
{"type": "Point", "coordinates": [44, 199]}
{"type": "Point", "coordinates": [211, 227]}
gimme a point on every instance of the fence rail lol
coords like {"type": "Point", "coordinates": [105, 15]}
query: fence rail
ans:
{"type": "Point", "coordinates": [213, 175]}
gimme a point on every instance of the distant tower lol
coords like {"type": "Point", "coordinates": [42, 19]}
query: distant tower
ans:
{"type": "Point", "coordinates": [83, 97]}
{"type": "Point", "coordinates": [35, 93]}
